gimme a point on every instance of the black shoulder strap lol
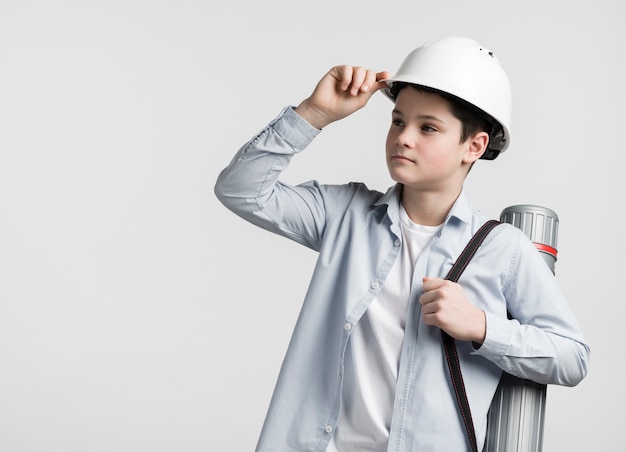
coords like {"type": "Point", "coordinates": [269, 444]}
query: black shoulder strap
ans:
{"type": "Point", "coordinates": [449, 346]}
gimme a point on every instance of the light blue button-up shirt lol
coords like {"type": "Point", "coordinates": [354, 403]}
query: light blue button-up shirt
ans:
{"type": "Point", "coordinates": [357, 234]}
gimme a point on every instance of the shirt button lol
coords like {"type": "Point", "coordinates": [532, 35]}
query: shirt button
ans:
{"type": "Point", "coordinates": [347, 327]}
{"type": "Point", "coordinates": [375, 285]}
{"type": "Point", "coordinates": [397, 242]}
{"type": "Point", "coordinates": [329, 429]}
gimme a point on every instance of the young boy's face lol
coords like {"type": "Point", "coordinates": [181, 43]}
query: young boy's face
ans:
{"type": "Point", "coordinates": [423, 144]}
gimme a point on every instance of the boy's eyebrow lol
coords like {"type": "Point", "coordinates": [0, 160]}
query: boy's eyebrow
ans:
{"type": "Point", "coordinates": [423, 117]}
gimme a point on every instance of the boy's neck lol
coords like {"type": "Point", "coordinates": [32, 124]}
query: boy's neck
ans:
{"type": "Point", "coordinates": [427, 208]}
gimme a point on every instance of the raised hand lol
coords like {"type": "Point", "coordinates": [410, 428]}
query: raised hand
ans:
{"type": "Point", "coordinates": [341, 92]}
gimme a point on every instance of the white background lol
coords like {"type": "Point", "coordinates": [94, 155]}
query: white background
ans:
{"type": "Point", "coordinates": [138, 314]}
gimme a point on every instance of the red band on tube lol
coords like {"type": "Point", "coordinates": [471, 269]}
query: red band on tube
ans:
{"type": "Point", "coordinates": [546, 248]}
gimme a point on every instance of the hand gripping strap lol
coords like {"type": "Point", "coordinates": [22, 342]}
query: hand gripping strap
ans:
{"type": "Point", "coordinates": [452, 356]}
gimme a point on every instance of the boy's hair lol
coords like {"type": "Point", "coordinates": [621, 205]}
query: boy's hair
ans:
{"type": "Point", "coordinates": [473, 119]}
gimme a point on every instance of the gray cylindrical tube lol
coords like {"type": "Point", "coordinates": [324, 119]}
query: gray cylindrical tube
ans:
{"type": "Point", "coordinates": [540, 224]}
{"type": "Point", "coordinates": [516, 416]}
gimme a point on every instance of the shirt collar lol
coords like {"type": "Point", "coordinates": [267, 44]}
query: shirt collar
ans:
{"type": "Point", "coordinates": [461, 209]}
{"type": "Point", "coordinates": [389, 207]}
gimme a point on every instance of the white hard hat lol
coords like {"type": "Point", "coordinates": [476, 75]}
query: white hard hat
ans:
{"type": "Point", "coordinates": [467, 70]}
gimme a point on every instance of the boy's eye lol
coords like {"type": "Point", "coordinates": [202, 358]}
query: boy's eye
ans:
{"type": "Point", "coordinates": [428, 128]}
{"type": "Point", "coordinates": [396, 122]}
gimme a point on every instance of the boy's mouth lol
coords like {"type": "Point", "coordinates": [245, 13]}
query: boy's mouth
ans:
{"type": "Point", "coordinates": [399, 157]}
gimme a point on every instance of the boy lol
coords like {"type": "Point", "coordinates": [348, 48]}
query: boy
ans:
{"type": "Point", "coordinates": [365, 369]}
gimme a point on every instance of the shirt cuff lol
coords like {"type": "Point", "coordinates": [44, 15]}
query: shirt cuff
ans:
{"type": "Point", "coordinates": [294, 129]}
{"type": "Point", "coordinates": [497, 338]}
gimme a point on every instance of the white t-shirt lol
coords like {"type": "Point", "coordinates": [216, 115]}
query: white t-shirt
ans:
{"type": "Point", "coordinates": [373, 355]}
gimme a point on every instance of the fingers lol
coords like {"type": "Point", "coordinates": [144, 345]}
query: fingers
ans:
{"type": "Point", "coordinates": [359, 83]}
{"type": "Point", "coordinates": [435, 291]}
{"type": "Point", "coordinates": [431, 283]}
{"type": "Point", "coordinates": [342, 91]}
{"type": "Point", "coordinates": [357, 79]}
{"type": "Point", "coordinates": [382, 76]}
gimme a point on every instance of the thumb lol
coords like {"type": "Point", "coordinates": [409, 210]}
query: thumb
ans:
{"type": "Point", "coordinates": [379, 83]}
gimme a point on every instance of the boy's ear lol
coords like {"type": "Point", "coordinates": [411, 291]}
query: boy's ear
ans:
{"type": "Point", "coordinates": [477, 147]}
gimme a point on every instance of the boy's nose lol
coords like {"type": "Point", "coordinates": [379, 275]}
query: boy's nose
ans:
{"type": "Point", "coordinates": [406, 138]}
